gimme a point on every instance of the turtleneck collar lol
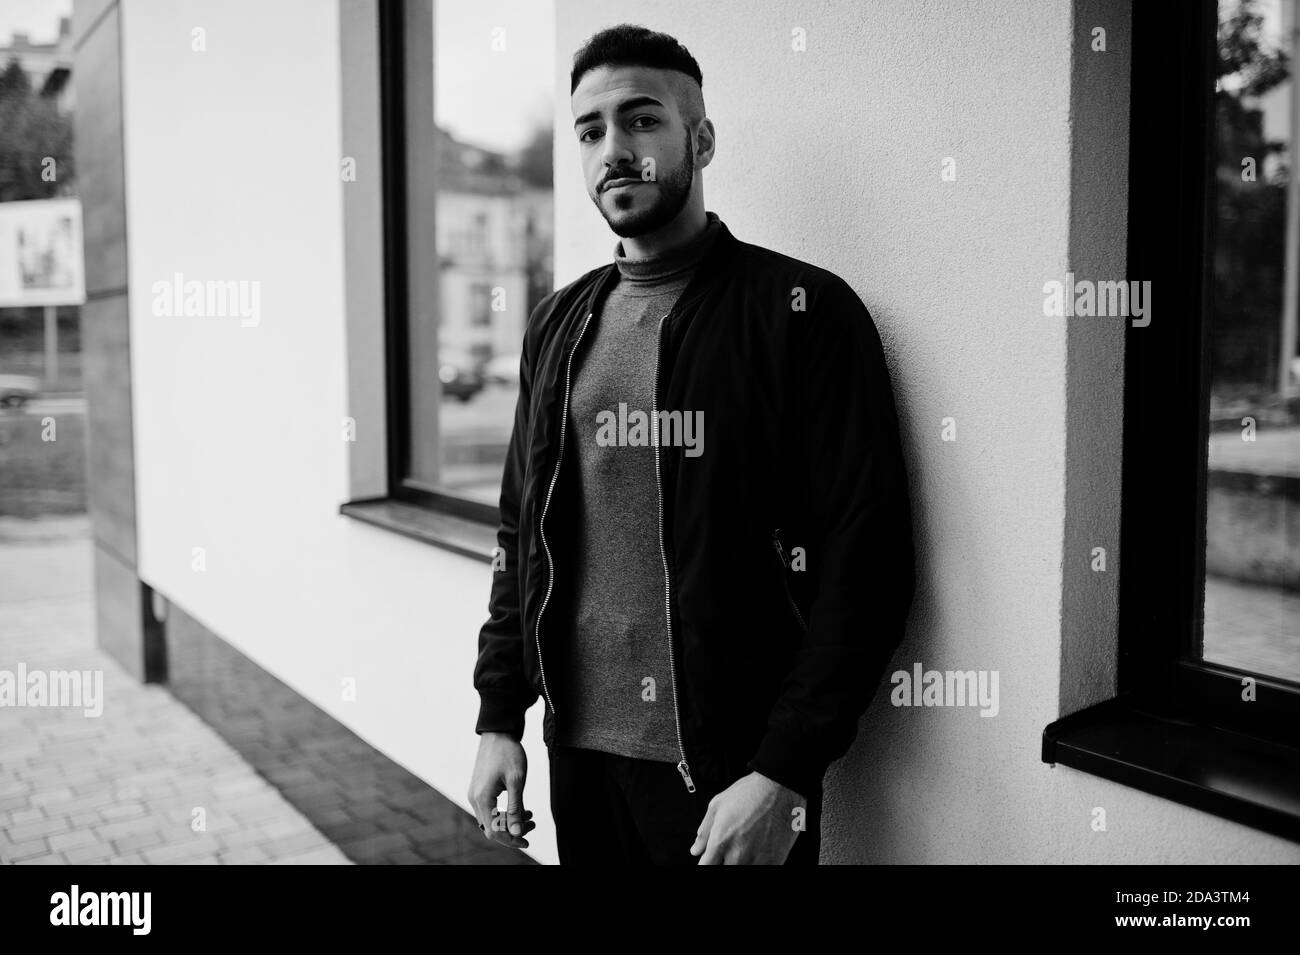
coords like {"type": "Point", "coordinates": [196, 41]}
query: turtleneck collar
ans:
{"type": "Point", "coordinates": [665, 266]}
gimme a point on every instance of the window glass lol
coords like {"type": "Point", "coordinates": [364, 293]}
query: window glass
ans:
{"type": "Point", "coordinates": [494, 73]}
{"type": "Point", "coordinates": [1252, 556]}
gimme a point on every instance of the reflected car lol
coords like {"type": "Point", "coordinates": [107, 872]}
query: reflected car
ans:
{"type": "Point", "coordinates": [503, 370]}
{"type": "Point", "coordinates": [460, 375]}
{"type": "Point", "coordinates": [17, 390]}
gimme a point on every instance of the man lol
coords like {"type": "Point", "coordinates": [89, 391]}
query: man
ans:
{"type": "Point", "coordinates": [704, 513]}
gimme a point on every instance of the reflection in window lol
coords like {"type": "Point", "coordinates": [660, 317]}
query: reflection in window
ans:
{"type": "Point", "coordinates": [493, 98]}
{"type": "Point", "coordinates": [1252, 583]}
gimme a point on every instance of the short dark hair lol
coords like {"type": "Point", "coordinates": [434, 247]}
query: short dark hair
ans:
{"type": "Point", "coordinates": [630, 45]}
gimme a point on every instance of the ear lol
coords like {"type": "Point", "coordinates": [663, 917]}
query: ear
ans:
{"type": "Point", "coordinates": [706, 143]}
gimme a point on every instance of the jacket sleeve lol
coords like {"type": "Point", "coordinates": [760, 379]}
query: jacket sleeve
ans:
{"type": "Point", "coordinates": [853, 461]}
{"type": "Point", "coordinates": [503, 688]}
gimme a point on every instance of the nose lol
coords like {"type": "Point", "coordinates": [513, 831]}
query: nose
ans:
{"type": "Point", "coordinates": [615, 153]}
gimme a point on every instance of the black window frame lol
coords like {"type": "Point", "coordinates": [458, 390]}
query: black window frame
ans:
{"type": "Point", "coordinates": [1178, 726]}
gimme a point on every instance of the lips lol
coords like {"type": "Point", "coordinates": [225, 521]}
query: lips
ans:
{"type": "Point", "coordinates": [615, 183]}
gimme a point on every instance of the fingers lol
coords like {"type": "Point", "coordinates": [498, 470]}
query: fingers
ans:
{"type": "Point", "coordinates": [492, 821]}
{"type": "Point", "coordinates": [483, 802]}
{"type": "Point", "coordinates": [495, 824]}
{"type": "Point", "coordinates": [500, 767]}
{"type": "Point", "coordinates": [515, 803]}
{"type": "Point", "coordinates": [713, 852]}
{"type": "Point", "coordinates": [702, 833]}
{"type": "Point", "coordinates": [498, 830]}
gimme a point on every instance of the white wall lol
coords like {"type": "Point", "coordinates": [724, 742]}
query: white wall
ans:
{"type": "Point", "coordinates": [232, 162]}
{"type": "Point", "coordinates": [831, 155]}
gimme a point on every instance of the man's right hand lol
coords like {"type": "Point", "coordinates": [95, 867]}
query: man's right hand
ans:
{"type": "Point", "coordinates": [501, 765]}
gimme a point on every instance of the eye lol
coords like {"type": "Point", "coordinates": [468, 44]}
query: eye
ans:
{"type": "Point", "coordinates": [582, 137]}
{"type": "Point", "coordinates": [649, 119]}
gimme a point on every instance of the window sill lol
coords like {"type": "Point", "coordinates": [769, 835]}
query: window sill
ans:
{"type": "Point", "coordinates": [460, 535]}
{"type": "Point", "coordinates": [1238, 777]}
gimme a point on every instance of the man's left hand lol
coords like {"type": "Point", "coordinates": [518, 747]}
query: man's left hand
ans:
{"type": "Point", "coordinates": [751, 822]}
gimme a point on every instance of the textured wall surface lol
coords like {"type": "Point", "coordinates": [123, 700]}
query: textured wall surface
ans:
{"type": "Point", "coordinates": [1099, 92]}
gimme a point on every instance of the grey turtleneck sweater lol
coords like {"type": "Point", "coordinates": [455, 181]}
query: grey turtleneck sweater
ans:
{"type": "Point", "coordinates": [622, 694]}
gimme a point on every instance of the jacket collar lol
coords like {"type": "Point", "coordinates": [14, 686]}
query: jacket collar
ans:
{"type": "Point", "coordinates": [707, 272]}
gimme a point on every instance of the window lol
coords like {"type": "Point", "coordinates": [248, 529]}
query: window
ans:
{"type": "Point", "coordinates": [468, 100]}
{"type": "Point", "coordinates": [1210, 516]}
{"type": "Point", "coordinates": [1252, 534]}
{"type": "Point", "coordinates": [1208, 711]}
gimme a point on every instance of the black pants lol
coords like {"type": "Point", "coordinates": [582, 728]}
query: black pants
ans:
{"type": "Point", "coordinates": [625, 811]}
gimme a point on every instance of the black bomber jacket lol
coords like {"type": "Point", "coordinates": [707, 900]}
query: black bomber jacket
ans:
{"type": "Point", "coordinates": [786, 545]}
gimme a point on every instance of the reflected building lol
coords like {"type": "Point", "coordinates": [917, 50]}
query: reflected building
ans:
{"type": "Point", "coordinates": [48, 65]}
{"type": "Point", "coordinates": [494, 251]}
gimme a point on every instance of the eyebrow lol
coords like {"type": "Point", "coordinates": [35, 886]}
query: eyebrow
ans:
{"type": "Point", "coordinates": [623, 107]}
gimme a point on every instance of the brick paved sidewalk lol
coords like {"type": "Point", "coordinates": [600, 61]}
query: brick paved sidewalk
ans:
{"type": "Point", "coordinates": [120, 788]}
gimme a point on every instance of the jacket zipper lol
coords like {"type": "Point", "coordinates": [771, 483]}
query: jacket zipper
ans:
{"type": "Point", "coordinates": [682, 766]}
{"type": "Point", "coordinates": [785, 564]}
{"type": "Point", "coordinates": [541, 521]}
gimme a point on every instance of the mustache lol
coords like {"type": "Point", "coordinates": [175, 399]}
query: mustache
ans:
{"type": "Point", "coordinates": [613, 177]}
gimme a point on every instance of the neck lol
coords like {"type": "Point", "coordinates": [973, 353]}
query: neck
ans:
{"type": "Point", "coordinates": [688, 225]}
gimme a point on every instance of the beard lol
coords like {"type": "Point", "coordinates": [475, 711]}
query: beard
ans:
{"type": "Point", "coordinates": [674, 189]}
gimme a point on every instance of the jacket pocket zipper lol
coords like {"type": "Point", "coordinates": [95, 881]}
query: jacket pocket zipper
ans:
{"type": "Point", "coordinates": [785, 581]}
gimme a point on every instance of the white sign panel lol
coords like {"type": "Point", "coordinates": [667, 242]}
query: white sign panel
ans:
{"type": "Point", "coordinates": [40, 253]}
